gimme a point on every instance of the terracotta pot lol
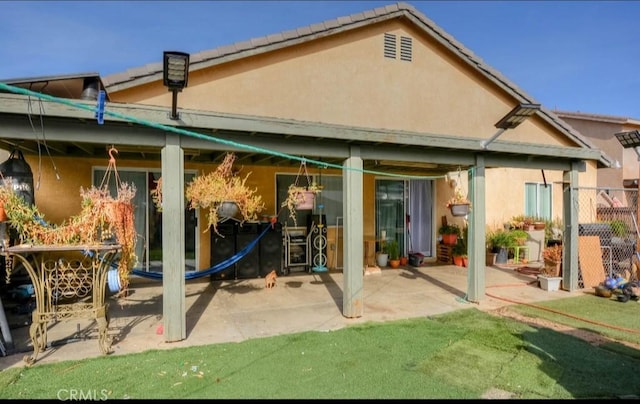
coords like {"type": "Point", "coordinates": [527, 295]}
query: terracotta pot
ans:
{"type": "Point", "coordinates": [449, 239]}
{"type": "Point", "coordinates": [394, 263]}
{"type": "Point", "coordinates": [3, 214]}
{"type": "Point", "coordinates": [404, 260]}
{"type": "Point", "coordinates": [539, 225]}
{"type": "Point", "coordinates": [457, 260]}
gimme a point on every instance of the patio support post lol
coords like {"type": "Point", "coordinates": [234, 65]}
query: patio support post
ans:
{"type": "Point", "coordinates": [570, 231]}
{"type": "Point", "coordinates": [353, 255]}
{"type": "Point", "coordinates": [173, 260]}
{"type": "Point", "coordinates": [476, 222]}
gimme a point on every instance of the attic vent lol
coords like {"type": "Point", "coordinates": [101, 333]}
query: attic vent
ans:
{"type": "Point", "coordinates": [390, 46]}
{"type": "Point", "coordinates": [406, 51]}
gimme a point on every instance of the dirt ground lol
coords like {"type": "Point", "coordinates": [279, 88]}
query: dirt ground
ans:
{"type": "Point", "coordinates": [591, 337]}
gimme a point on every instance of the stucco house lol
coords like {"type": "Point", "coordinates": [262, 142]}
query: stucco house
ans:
{"type": "Point", "coordinates": [383, 107]}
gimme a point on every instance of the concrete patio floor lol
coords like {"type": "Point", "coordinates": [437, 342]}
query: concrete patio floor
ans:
{"type": "Point", "coordinates": [237, 310]}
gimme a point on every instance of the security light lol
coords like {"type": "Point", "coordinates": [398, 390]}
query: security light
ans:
{"type": "Point", "coordinates": [514, 118]}
{"type": "Point", "coordinates": [175, 76]}
{"type": "Point", "coordinates": [629, 139]}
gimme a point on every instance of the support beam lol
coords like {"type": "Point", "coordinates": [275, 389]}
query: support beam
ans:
{"type": "Point", "coordinates": [477, 237]}
{"type": "Point", "coordinates": [353, 255]}
{"type": "Point", "coordinates": [173, 260]}
{"type": "Point", "coordinates": [570, 232]}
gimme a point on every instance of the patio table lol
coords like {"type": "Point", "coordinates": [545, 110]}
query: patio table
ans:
{"type": "Point", "coordinates": [69, 281]}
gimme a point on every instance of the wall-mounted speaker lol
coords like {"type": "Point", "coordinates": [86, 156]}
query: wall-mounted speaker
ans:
{"type": "Point", "coordinates": [223, 247]}
{"type": "Point", "coordinates": [249, 265]}
{"type": "Point", "coordinates": [271, 249]}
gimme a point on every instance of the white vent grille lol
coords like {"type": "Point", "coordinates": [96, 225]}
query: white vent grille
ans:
{"type": "Point", "coordinates": [390, 46]}
{"type": "Point", "coordinates": [406, 48]}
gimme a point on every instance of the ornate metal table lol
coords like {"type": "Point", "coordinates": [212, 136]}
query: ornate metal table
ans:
{"type": "Point", "coordinates": [69, 282]}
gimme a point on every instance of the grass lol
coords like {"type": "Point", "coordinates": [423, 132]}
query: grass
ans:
{"type": "Point", "coordinates": [459, 355]}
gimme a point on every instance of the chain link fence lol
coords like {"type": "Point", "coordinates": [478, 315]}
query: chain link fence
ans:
{"type": "Point", "coordinates": [607, 231]}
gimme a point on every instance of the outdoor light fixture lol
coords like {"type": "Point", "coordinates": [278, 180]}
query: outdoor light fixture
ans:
{"type": "Point", "coordinates": [175, 76]}
{"type": "Point", "coordinates": [629, 139]}
{"type": "Point", "coordinates": [514, 118]}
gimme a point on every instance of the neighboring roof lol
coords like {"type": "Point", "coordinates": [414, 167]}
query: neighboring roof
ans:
{"type": "Point", "coordinates": [621, 120]}
{"type": "Point", "coordinates": [73, 86]}
{"type": "Point", "coordinates": [153, 72]}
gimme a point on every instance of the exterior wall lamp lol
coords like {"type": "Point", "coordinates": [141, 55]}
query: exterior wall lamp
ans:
{"type": "Point", "coordinates": [514, 118]}
{"type": "Point", "coordinates": [175, 76]}
{"type": "Point", "coordinates": [630, 139]}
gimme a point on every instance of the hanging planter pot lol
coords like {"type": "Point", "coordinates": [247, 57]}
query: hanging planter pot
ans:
{"type": "Point", "coordinates": [461, 209]}
{"type": "Point", "coordinates": [305, 200]}
{"type": "Point", "coordinates": [228, 209]}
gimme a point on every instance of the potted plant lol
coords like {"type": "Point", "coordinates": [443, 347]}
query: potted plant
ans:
{"type": "Point", "coordinates": [458, 203]}
{"type": "Point", "coordinates": [449, 233]}
{"type": "Point", "coordinates": [500, 241]}
{"type": "Point", "coordinates": [103, 218]}
{"type": "Point", "coordinates": [382, 258]}
{"type": "Point", "coordinates": [459, 253]}
{"type": "Point", "coordinates": [393, 249]}
{"type": "Point", "coordinates": [300, 198]}
{"type": "Point", "coordinates": [519, 236]}
{"type": "Point", "coordinates": [221, 189]}
{"type": "Point", "coordinates": [552, 257]}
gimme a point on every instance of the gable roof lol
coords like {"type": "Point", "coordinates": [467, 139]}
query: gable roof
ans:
{"type": "Point", "coordinates": [201, 60]}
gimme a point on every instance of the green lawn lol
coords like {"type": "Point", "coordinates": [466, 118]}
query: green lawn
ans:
{"type": "Point", "coordinates": [467, 354]}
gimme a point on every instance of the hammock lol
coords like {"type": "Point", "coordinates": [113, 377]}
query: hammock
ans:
{"type": "Point", "coordinates": [215, 268]}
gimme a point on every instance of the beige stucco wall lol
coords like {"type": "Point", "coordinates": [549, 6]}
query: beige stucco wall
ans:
{"type": "Point", "coordinates": [345, 79]}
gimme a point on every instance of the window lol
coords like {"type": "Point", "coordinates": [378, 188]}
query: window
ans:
{"type": "Point", "coordinates": [537, 200]}
{"type": "Point", "coordinates": [330, 198]}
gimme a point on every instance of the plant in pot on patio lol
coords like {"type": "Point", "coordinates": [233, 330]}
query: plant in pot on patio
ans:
{"type": "Point", "coordinates": [499, 242]}
{"type": "Point", "coordinates": [550, 273]}
{"type": "Point", "coordinates": [450, 233]}
{"type": "Point", "coordinates": [393, 250]}
{"type": "Point", "coordinates": [459, 253]}
{"type": "Point", "coordinates": [224, 194]}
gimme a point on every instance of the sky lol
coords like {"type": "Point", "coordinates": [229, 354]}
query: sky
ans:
{"type": "Point", "coordinates": [578, 56]}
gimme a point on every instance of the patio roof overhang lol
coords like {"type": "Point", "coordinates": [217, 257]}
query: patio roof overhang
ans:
{"type": "Point", "coordinates": [71, 130]}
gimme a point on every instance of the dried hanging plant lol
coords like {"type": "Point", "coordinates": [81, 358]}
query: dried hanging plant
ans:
{"type": "Point", "coordinates": [101, 217]}
{"type": "Point", "coordinates": [210, 190]}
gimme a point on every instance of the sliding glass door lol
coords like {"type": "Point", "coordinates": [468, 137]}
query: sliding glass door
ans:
{"type": "Point", "coordinates": [404, 212]}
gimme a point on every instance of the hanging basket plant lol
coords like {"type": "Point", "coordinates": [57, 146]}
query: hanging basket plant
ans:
{"type": "Point", "coordinates": [458, 204]}
{"type": "Point", "coordinates": [301, 197]}
{"type": "Point", "coordinates": [103, 218]}
{"type": "Point", "coordinates": [218, 190]}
